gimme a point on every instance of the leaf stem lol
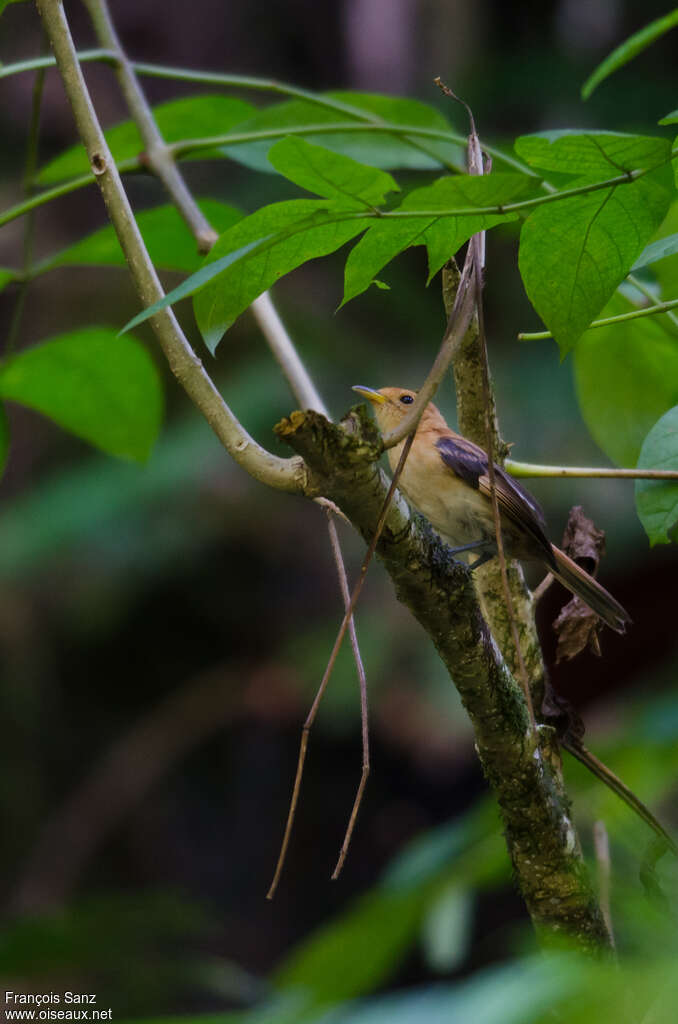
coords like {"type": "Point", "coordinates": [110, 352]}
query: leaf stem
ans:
{"type": "Point", "coordinates": [659, 307]}
{"type": "Point", "coordinates": [533, 469]}
{"type": "Point", "coordinates": [266, 85]}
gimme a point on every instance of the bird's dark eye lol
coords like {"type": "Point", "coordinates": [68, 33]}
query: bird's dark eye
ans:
{"type": "Point", "coordinates": [406, 399]}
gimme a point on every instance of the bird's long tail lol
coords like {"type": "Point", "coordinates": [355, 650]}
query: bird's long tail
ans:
{"type": "Point", "coordinates": [590, 591]}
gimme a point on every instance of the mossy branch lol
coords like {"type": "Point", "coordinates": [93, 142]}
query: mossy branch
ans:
{"type": "Point", "coordinates": [521, 765]}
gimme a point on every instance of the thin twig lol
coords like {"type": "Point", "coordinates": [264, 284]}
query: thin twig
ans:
{"type": "Point", "coordinates": [330, 665]}
{"type": "Point", "coordinates": [29, 226]}
{"type": "Point", "coordinates": [522, 668]}
{"type": "Point", "coordinates": [532, 469]}
{"type": "Point", "coordinates": [644, 290]}
{"type": "Point", "coordinates": [156, 151]}
{"type": "Point", "coordinates": [601, 845]}
{"type": "Point", "coordinates": [659, 307]}
{"type": "Point", "coordinates": [477, 250]}
{"type": "Point", "coordinates": [541, 589]}
{"type": "Point", "coordinates": [457, 326]}
{"type": "Point", "coordinates": [364, 725]}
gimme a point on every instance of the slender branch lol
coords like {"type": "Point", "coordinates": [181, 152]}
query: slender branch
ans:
{"type": "Point", "coordinates": [29, 225]}
{"type": "Point", "coordinates": [37, 63]}
{"type": "Point", "coordinates": [457, 325]}
{"type": "Point", "coordinates": [186, 146]}
{"type": "Point", "coordinates": [350, 607]}
{"type": "Point", "coordinates": [283, 348]}
{"type": "Point", "coordinates": [659, 307]}
{"type": "Point", "coordinates": [132, 165]}
{"type": "Point", "coordinates": [284, 474]}
{"type": "Point", "coordinates": [269, 85]}
{"type": "Point", "coordinates": [644, 290]}
{"type": "Point", "coordinates": [532, 469]}
{"type": "Point", "coordinates": [156, 153]}
{"type": "Point", "coordinates": [489, 428]}
{"type": "Point", "coordinates": [19, 209]}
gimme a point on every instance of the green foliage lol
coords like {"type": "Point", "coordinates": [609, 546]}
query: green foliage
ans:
{"type": "Point", "coordinates": [349, 184]}
{"type": "Point", "coordinates": [656, 251]}
{"type": "Point", "coordinates": [442, 235]}
{"type": "Point", "coordinates": [190, 118]}
{"type": "Point", "coordinates": [101, 387]}
{"type": "Point", "coordinates": [591, 155]}
{"type": "Point", "coordinates": [574, 253]}
{"type": "Point", "coordinates": [627, 377]}
{"type": "Point", "coordinates": [283, 236]}
{"type": "Point", "coordinates": [657, 500]}
{"type": "Point", "coordinates": [170, 244]}
{"type": "Point", "coordinates": [629, 49]}
{"type": "Point", "coordinates": [378, 147]}
{"type": "Point", "coordinates": [196, 281]}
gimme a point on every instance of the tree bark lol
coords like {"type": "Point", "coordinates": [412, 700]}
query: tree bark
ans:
{"type": "Point", "coordinates": [521, 765]}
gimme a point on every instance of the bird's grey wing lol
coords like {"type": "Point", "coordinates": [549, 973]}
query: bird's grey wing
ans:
{"type": "Point", "coordinates": [470, 464]}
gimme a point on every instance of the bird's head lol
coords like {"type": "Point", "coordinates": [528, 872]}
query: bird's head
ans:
{"type": "Point", "coordinates": [391, 404]}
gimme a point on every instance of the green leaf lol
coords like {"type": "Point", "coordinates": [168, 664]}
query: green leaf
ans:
{"type": "Point", "coordinates": [657, 500]}
{"type": "Point", "coordinates": [442, 235]}
{"type": "Point", "coordinates": [190, 286]}
{"type": "Point", "coordinates": [671, 118]}
{"type": "Point", "coordinates": [629, 49]}
{"type": "Point", "coordinates": [348, 183]}
{"type": "Point", "coordinates": [626, 378]}
{"type": "Point", "coordinates": [595, 155]}
{"type": "Point", "coordinates": [575, 252]}
{"type": "Point", "coordinates": [189, 118]}
{"type": "Point", "coordinates": [380, 149]}
{"type": "Point", "coordinates": [656, 251]}
{"type": "Point", "coordinates": [295, 231]}
{"type": "Point", "coordinates": [464, 191]}
{"type": "Point", "coordinates": [378, 246]}
{"type": "Point", "coordinates": [103, 388]}
{"type": "Point", "coordinates": [170, 244]}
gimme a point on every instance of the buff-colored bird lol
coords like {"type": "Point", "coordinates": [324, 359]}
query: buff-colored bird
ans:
{"type": "Point", "coordinates": [446, 478]}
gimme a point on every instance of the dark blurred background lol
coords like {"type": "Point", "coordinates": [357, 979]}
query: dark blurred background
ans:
{"type": "Point", "coordinates": [163, 628]}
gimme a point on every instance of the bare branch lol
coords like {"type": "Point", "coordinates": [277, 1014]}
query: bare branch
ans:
{"type": "Point", "coordinates": [457, 325]}
{"type": "Point", "coordinates": [283, 474]}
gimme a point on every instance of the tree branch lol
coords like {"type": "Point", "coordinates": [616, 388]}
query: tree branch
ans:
{"type": "Point", "coordinates": [439, 592]}
{"type": "Point", "coordinates": [468, 380]}
{"type": "Point", "coordinates": [283, 474]}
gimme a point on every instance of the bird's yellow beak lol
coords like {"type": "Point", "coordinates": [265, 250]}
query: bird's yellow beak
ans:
{"type": "Point", "coordinates": [370, 394]}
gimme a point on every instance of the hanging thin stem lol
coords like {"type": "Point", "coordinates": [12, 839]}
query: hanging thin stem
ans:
{"type": "Point", "coordinates": [330, 666]}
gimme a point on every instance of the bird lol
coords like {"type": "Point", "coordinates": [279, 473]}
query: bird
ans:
{"type": "Point", "coordinates": [446, 478]}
